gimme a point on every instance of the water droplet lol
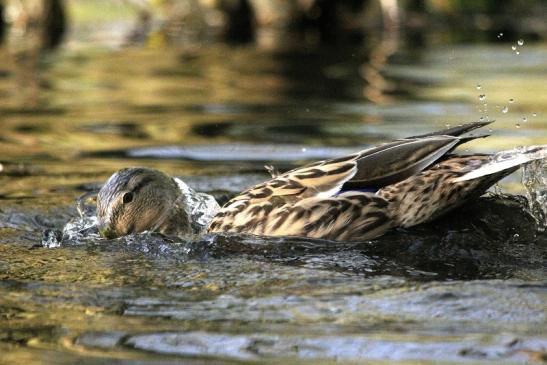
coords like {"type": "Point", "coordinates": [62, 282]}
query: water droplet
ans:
{"type": "Point", "coordinates": [481, 119]}
{"type": "Point", "coordinates": [534, 114]}
{"type": "Point", "coordinates": [478, 86]}
{"type": "Point", "coordinates": [520, 42]}
{"type": "Point", "coordinates": [482, 97]}
{"type": "Point", "coordinates": [487, 117]}
{"type": "Point", "coordinates": [500, 35]}
{"type": "Point", "coordinates": [505, 109]}
{"type": "Point", "coordinates": [517, 125]}
{"type": "Point", "coordinates": [517, 52]}
{"type": "Point", "coordinates": [447, 125]}
{"type": "Point", "coordinates": [514, 48]}
{"type": "Point", "coordinates": [524, 119]}
{"type": "Point", "coordinates": [490, 130]}
{"type": "Point", "coordinates": [511, 100]}
{"type": "Point", "coordinates": [516, 235]}
{"type": "Point", "coordinates": [304, 149]}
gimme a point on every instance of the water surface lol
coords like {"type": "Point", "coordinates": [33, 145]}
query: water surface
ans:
{"type": "Point", "coordinates": [469, 289]}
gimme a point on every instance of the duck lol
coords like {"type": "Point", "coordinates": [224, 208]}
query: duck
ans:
{"type": "Point", "coordinates": [357, 197]}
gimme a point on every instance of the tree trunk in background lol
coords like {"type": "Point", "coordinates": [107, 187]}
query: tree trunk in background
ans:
{"type": "Point", "coordinates": [240, 21]}
{"type": "Point", "coordinates": [2, 23]}
{"type": "Point", "coordinates": [54, 23]}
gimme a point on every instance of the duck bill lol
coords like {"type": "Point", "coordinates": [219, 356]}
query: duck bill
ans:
{"type": "Point", "coordinates": [106, 231]}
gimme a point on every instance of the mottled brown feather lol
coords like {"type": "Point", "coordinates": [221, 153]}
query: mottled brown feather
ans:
{"type": "Point", "coordinates": [308, 201]}
{"type": "Point", "coordinates": [433, 192]}
{"type": "Point", "coordinates": [302, 202]}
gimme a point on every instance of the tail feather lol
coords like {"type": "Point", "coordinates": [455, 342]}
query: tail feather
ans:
{"type": "Point", "coordinates": [455, 131]}
{"type": "Point", "coordinates": [471, 138]}
{"type": "Point", "coordinates": [466, 139]}
{"type": "Point", "coordinates": [506, 160]}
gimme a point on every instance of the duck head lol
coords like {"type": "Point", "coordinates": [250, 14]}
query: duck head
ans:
{"type": "Point", "coordinates": [140, 199]}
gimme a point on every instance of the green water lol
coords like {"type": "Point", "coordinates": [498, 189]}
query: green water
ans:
{"type": "Point", "coordinates": [468, 290]}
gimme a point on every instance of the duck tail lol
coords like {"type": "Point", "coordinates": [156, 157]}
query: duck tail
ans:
{"type": "Point", "coordinates": [507, 160]}
{"type": "Point", "coordinates": [455, 131]}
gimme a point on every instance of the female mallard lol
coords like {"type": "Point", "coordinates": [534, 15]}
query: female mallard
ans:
{"type": "Point", "coordinates": [356, 197]}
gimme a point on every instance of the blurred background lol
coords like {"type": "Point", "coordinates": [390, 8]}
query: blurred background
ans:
{"type": "Point", "coordinates": [205, 82]}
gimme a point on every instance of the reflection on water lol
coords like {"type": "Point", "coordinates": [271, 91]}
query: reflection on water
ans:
{"type": "Point", "coordinates": [470, 287]}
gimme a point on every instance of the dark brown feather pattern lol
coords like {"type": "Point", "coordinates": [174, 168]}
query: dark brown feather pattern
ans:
{"type": "Point", "coordinates": [416, 179]}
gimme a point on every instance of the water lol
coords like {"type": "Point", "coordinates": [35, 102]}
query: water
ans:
{"type": "Point", "coordinates": [534, 180]}
{"type": "Point", "coordinates": [468, 288]}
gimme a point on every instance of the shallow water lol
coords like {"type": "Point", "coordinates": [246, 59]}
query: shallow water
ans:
{"type": "Point", "coordinates": [470, 288]}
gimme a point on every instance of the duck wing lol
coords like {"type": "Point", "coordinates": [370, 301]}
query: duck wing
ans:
{"type": "Point", "coordinates": [369, 169]}
{"type": "Point", "coordinates": [455, 131]}
{"type": "Point", "coordinates": [319, 200]}
{"type": "Point", "coordinates": [395, 161]}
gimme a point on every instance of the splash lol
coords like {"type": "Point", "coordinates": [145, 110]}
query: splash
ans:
{"type": "Point", "coordinates": [534, 179]}
{"type": "Point", "coordinates": [200, 207]}
{"type": "Point", "coordinates": [504, 160]}
{"type": "Point", "coordinates": [79, 229]}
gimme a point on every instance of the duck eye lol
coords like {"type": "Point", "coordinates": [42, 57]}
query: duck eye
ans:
{"type": "Point", "coordinates": [127, 198]}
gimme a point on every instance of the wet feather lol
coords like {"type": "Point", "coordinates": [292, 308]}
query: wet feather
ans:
{"type": "Point", "coordinates": [414, 179]}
